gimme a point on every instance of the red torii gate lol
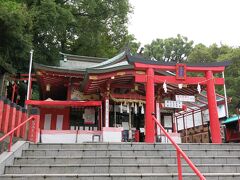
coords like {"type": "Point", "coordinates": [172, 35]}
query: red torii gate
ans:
{"type": "Point", "coordinates": [181, 78]}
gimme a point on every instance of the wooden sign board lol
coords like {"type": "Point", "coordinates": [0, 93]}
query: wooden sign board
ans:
{"type": "Point", "coordinates": [185, 98]}
{"type": "Point", "coordinates": [173, 104]}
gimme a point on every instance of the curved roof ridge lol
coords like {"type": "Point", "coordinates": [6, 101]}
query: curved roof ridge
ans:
{"type": "Point", "coordinates": [111, 61]}
{"type": "Point", "coordinates": [57, 68]}
{"type": "Point", "coordinates": [83, 58]}
{"type": "Point", "coordinates": [138, 59]}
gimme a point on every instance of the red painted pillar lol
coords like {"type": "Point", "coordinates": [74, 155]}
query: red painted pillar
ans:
{"type": "Point", "coordinates": [1, 111]}
{"type": "Point", "coordinates": [6, 115]}
{"type": "Point", "coordinates": [12, 117]}
{"type": "Point", "coordinates": [149, 123]}
{"type": "Point", "coordinates": [33, 131]}
{"type": "Point", "coordinates": [23, 129]}
{"type": "Point", "coordinates": [18, 119]}
{"type": "Point", "coordinates": [37, 128]}
{"type": "Point", "coordinates": [212, 106]}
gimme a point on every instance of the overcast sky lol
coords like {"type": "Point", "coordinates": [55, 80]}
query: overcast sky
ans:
{"type": "Point", "coordinates": [203, 21]}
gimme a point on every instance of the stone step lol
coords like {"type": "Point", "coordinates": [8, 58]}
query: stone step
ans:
{"type": "Point", "coordinates": [127, 176]}
{"type": "Point", "coordinates": [124, 160]}
{"type": "Point", "coordinates": [118, 176]}
{"type": "Point", "coordinates": [137, 146]}
{"type": "Point", "coordinates": [127, 152]}
{"type": "Point", "coordinates": [118, 168]}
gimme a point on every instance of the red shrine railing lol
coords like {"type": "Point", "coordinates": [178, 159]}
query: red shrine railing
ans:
{"type": "Point", "coordinates": [32, 131]}
{"type": "Point", "coordinates": [179, 154]}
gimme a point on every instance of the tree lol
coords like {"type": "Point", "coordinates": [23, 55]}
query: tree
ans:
{"type": "Point", "coordinates": [232, 78]}
{"type": "Point", "coordinates": [213, 53]}
{"type": "Point", "coordinates": [83, 27]}
{"type": "Point", "coordinates": [200, 54]}
{"type": "Point", "coordinates": [170, 49]}
{"type": "Point", "coordinates": [15, 36]}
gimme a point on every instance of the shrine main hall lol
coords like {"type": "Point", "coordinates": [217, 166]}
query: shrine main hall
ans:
{"type": "Point", "coordinates": [113, 100]}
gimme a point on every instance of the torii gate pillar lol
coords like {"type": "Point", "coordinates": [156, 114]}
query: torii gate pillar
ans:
{"type": "Point", "coordinates": [149, 123]}
{"type": "Point", "coordinates": [212, 106]}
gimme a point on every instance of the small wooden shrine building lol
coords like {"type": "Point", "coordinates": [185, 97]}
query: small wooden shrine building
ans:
{"type": "Point", "coordinates": [87, 97]}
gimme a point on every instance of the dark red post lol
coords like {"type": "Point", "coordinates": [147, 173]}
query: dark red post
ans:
{"type": "Point", "coordinates": [149, 123]}
{"type": "Point", "coordinates": [6, 115]}
{"type": "Point", "coordinates": [212, 106]}
{"type": "Point", "coordinates": [12, 118]}
{"type": "Point", "coordinates": [18, 119]}
{"type": "Point", "coordinates": [37, 129]}
{"type": "Point", "coordinates": [33, 130]}
{"type": "Point", "coordinates": [1, 111]}
{"type": "Point", "coordinates": [24, 117]}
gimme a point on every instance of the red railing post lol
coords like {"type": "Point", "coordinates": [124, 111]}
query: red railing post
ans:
{"type": "Point", "coordinates": [179, 165]}
{"type": "Point", "coordinates": [12, 117]}
{"type": "Point", "coordinates": [23, 129]}
{"type": "Point", "coordinates": [11, 132]}
{"type": "Point", "coordinates": [36, 133]}
{"type": "Point", "coordinates": [34, 125]}
{"type": "Point", "coordinates": [10, 142]}
{"type": "Point", "coordinates": [179, 153]}
{"type": "Point", "coordinates": [1, 111]}
{"type": "Point", "coordinates": [6, 114]}
{"type": "Point", "coordinates": [18, 119]}
{"type": "Point", "coordinates": [30, 130]}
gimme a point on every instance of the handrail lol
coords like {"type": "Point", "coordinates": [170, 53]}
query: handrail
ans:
{"type": "Point", "coordinates": [10, 133]}
{"type": "Point", "coordinates": [179, 153]}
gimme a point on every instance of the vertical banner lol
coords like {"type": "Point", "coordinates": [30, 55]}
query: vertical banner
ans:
{"type": "Point", "coordinates": [106, 112]}
{"type": "Point", "coordinates": [158, 117]}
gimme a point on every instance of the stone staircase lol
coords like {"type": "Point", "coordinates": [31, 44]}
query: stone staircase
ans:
{"type": "Point", "coordinates": [123, 161]}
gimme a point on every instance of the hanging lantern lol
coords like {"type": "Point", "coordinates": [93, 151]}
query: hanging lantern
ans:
{"type": "Point", "coordinates": [135, 108]}
{"type": "Point", "coordinates": [165, 87]}
{"type": "Point", "coordinates": [121, 108]}
{"type": "Point", "coordinates": [199, 88]}
{"type": "Point", "coordinates": [48, 87]}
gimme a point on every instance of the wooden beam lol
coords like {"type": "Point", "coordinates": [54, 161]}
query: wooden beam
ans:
{"type": "Point", "coordinates": [63, 103]}
{"type": "Point", "coordinates": [129, 96]}
{"type": "Point", "coordinates": [173, 80]}
{"type": "Point", "coordinates": [141, 66]}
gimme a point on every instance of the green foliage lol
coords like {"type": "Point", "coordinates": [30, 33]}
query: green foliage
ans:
{"type": "Point", "coordinates": [200, 53]}
{"type": "Point", "coordinates": [83, 27]}
{"type": "Point", "coordinates": [170, 49]}
{"type": "Point", "coordinates": [15, 36]}
{"type": "Point", "coordinates": [213, 53]}
{"type": "Point", "coordinates": [232, 75]}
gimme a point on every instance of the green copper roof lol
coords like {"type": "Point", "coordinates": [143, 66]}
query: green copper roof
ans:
{"type": "Point", "coordinates": [231, 119]}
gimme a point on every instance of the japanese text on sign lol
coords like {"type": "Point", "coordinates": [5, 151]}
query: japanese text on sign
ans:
{"type": "Point", "coordinates": [173, 104]}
